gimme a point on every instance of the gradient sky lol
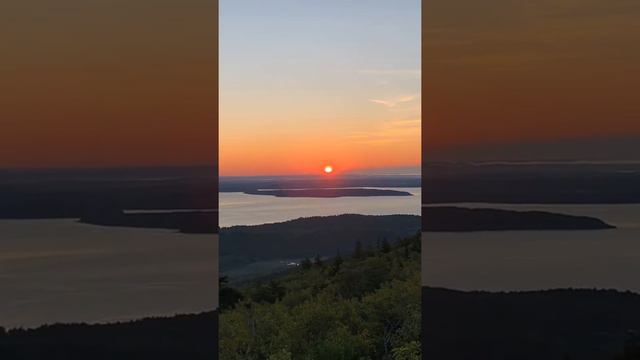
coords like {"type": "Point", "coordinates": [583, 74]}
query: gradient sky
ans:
{"type": "Point", "coordinates": [544, 79]}
{"type": "Point", "coordinates": [309, 83]}
{"type": "Point", "coordinates": [107, 83]}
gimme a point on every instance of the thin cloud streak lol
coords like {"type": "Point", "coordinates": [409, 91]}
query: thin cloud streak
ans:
{"type": "Point", "coordinates": [395, 101]}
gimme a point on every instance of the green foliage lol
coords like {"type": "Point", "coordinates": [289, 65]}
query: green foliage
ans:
{"type": "Point", "coordinates": [228, 296]}
{"type": "Point", "coordinates": [363, 308]}
{"type": "Point", "coordinates": [267, 293]}
{"type": "Point", "coordinates": [358, 252]}
{"type": "Point", "coordinates": [317, 261]}
{"type": "Point", "coordinates": [306, 264]}
{"type": "Point", "coordinates": [337, 262]}
{"type": "Point", "coordinates": [340, 344]}
{"type": "Point", "coordinates": [386, 246]}
{"type": "Point", "coordinates": [281, 355]}
{"type": "Point", "coordinates": [409, 351]}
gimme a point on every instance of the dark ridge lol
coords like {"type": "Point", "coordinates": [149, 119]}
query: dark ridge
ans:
{"type": "Point", "coordinates": [314, 235]}
{"type": "Point", "coordinates": [328, 193]}
{"type": "Point", "coordinates": [309, 231]}
{"type": "Point", "coordinates": [76, 197]}
{"type": "Point", "coordinates": [457, 219]}
{"type": "Point", "coordinates": [190, 222]}
{"type": "Point", "coordinates": [179, 337]}
{"type": "Point", "coordinates": [533, 325]}
{"type": "Point", "coordinates": [531, 184]}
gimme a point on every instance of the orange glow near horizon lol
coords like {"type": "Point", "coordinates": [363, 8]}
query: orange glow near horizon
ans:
{"type": "Point", "coordinates": [248, 147]}
{"type": "Point", "coordinates": [547, 71]}
{"type": "Point", "coordinates": [299, 158]}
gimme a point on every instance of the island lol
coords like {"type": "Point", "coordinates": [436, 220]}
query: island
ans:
{"type": "Point", "coordinates": [434, 219]}
{"type": "Point", "coordinates": [188, 222]}
{"type": "Point", "coordinates": [328, 193]}
{"type": "Point", "coordinates": [459, 219]}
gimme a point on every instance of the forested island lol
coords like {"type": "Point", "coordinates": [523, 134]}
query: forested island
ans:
{"type": "Point", "coordinates": [328, 193]}
{"type": "Point", "coordinates": [459, 219]}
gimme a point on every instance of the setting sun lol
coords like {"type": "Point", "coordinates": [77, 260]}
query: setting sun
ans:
{"type": "Point", "coordinates": [328, 169]}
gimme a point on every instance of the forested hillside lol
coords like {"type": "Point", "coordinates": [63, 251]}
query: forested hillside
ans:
{"type": "Point", "coordinates": [362, 306]}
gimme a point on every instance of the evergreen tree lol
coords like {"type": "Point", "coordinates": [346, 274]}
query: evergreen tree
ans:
{"type": "Point", "coordinates": [317, 261]}
{"type": "Point", "coordinates": [386, 246]}
{"type": "Point", "coordinates": [358, 252]}
{"type": "Point", "coordinates": [228, 296]}
{"type": "Point", "coordinates": [306, 264]}
{"type": "Point", "coordinates": [337, 262]}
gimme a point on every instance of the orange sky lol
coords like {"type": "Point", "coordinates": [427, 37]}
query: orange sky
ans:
{"type": "Point", "coordinates": [305, 84]}
{"type": "Point", "coordinates": [507, 72]}
{"type": "Point", "coordinates": [107, 83]}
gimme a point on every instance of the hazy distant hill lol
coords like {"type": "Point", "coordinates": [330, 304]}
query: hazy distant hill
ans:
{"type": "Point", "coordinates": [531, 183]}
{"type": "Point", "coordinates": [75, 193]}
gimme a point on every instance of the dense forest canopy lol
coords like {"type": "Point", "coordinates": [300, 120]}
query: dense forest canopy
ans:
{"type": "Point", "coordinates": [362, 306]}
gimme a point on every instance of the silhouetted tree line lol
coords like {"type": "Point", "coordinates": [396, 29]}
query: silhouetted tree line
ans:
{"type": "Point", "coordinates": [179, 337]}
{"type": "Point", "coordinates": [550, 324]}
{"type": "Point", "coordinates": [631, 348]}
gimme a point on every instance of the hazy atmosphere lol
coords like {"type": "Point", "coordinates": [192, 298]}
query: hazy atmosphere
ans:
{"type": "Point", "coordinates": [107, 83]}
{"type": "Point", "coordinates": [532, 80]}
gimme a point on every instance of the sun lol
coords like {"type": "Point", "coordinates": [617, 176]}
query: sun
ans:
{"type": "Point", "coordinates": [328, 169]}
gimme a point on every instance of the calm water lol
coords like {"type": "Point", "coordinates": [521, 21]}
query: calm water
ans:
{"type": "Point", "coordinates": [65, 271]}
{"type": "Point", "coordinates": [243, 209]}
{"type": "Point", "coordinates": [526, 260]}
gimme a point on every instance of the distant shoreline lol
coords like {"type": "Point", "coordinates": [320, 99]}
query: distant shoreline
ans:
{"type": "Point", "coordinates": [434, 219]}
{"type": "Point", "coordinates": [462, 219]}
{"type": "Point", "coordinates": [328, 192]}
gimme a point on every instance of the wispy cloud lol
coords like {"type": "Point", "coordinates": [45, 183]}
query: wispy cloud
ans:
{"type": "Point", "coordinates": [393, 102]}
